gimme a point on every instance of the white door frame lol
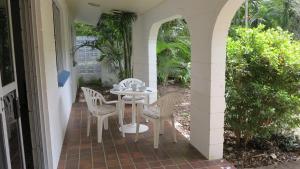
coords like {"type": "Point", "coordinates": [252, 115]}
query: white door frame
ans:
{"type": "Point", "coordinates": [4, 127]}
{"type": "Point", "coordinates": [4, 90]}
{"type": "Point", "coordinates": [35, 83]}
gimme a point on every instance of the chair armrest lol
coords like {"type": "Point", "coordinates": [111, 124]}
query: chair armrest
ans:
{"type": "Point", "coordinates": [111, 102]}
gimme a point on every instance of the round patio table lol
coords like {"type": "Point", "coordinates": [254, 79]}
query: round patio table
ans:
{"type": "Point", "coordinates": [131, 128]}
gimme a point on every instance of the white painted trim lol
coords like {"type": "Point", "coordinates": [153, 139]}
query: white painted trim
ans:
{"type": "Point", "coordinates": [41, 82]}
{"type": "Point", "coordinates": [9, 88]}
{"type": "Point", "coordinates": [2, 115]}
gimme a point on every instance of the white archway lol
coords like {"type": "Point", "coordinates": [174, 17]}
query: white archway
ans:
{"type": "Point", "coordinates": [208, 23]}
{"type": "Point", "coordinates": [152, 44]}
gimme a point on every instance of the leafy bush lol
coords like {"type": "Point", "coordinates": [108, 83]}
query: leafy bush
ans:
{"type": "Point", "coordinates": [91, 82]}
{"type": "Point", "coordinates": [262, 82]}
{"type": "Point", "coordinates": [174, 52]}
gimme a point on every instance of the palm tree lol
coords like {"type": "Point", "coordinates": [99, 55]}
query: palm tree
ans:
{"type": "Point", "coordinates": [114, 39]}
{"type": "Point", "coordinates": [122, 25]}
{"type": "Point", "coordinates": [271, 13]}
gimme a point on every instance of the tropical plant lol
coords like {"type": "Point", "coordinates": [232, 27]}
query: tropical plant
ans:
{"type": "Point", "coordinates": [113, 38]}
{"type": "Point", "coordinates": [85, 30]}
{"type": "Point", "coordinates": [174, 52]}
{"type": "Point", "coordinates": [120, 23]}
{"type": "Point", "coordinates": [271, 13]}
{"type": "Point", "coordinates": [262, 82]}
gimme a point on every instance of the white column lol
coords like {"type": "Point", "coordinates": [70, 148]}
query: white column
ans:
{"type": "Point", "coordinates": [208, 90]}
{"type": "Point", "coordinates": [144, 55]}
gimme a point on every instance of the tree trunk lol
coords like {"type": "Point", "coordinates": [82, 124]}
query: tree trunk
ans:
{"type": "Point", "coordinates": [246, 13]}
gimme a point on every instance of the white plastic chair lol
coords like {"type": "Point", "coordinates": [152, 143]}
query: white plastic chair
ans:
{"type": "Point", "coordinates": [128, 99]}
{"type": "Point", "coordinates": [100, 108]}
{"type": "Point", "coordinates": [159, 112]}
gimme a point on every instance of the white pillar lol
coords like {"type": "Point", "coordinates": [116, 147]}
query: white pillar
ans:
{"type": "Point", "coordinates": [144, 55]}
{"type": "Point", "coordinates": [208, 80]}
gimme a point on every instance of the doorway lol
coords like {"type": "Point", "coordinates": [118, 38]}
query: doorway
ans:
{"type": "Point", "coordinates": [14, 119]}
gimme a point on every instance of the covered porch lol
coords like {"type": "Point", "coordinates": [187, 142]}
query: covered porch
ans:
{"type": "Point", "coordinates": [115, 152]}
{"type": "Point", "coordinates": [208, 23]}
{"type": "Point", "coordinates": [61, 125]}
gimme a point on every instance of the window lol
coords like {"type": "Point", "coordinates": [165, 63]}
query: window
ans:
{"type": "Point", "coordinates": [58, 39]}
{"type": "Point", "coordinates": [6, 59]}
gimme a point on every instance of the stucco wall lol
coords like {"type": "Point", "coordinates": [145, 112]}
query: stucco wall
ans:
{"type": "Point", "coordinates": [208, 22]}
{"type": "Point", "coordinates": [58, 102]}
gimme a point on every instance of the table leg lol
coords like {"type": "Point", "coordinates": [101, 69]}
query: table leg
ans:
{"type": "Point", "coordinates": [120, 114]}
{"type": "Point", "coordinates": [146, 107]}
{"type": "Point", "coordinates": [131, 128]}
{"type": "Point", "coordinates": [133, 115]}
{"type": "Point", "coordinates": [119, 109]}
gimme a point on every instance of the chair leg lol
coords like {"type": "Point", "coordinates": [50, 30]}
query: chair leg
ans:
{"type": "Point", "coordinates": [133, 115]}
{"type": "Point", "coordinates": [123, 110]}
{"type": "Point", "coordinates": [88, 125]}
{"type": "Point", "coordinates": [100, 126]}
{"type": "Point", "coordinates": [145, 108]}
{"type": "Point", "coordinates": [137, 122]}
{"type": "Point", "coordinates": [122, 123]}
{"type": "Point", "coordinates": [174, 130]}
{"type": "Point", "coordinates": [137, 130]}
{"type": "Point", "coordinates": [162, 127]}
{"type": "Point", "coordinates": [156, 133]}
{"type": "Point", "coordinates": [106, 123]}
{"type": "Point", "coordinates": [119, 111]}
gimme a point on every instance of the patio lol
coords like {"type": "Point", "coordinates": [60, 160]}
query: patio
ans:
{"type": "Point", "coordinates": [80, 151]}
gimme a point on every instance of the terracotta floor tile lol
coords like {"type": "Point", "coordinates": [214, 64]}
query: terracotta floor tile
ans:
{"type": "Point", "coordinates": [85, 164]}
{"type": "Point", "coordinates": [72, 164]}
{"type": "Point", "coordinates": [128, 167]}
{"type": "Point", "coordinates": [185, 166]}
{"type": "Point", "coordinates": [61, 164]}
{"type": "Point", "coordinates": [171, 167]}
{"type": "Point", "coordinates": [116, 152]}
{"type": "Point", "coordinates": [167, 162]}
{"type": "Point", "coordinates": [142, 165]}
{"type": "Point", "coordinates": [154, 164]}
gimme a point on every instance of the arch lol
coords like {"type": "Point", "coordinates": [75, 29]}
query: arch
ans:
{"type": "Point", "coordinates": [208, 24]}
{"type": "Point", "coordinates": [152, 44]}
{"type": "Point", "coordinates": [221, 28]}
{"type": "Point", "coordinates": [217, 75]}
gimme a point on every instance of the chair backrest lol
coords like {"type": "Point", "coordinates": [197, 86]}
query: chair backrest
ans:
{"type": "Point", "coordinates": [168, 103]}
{"type": "Point", "coordinates": [93, 99]}
{"type": "Point", "coordinates": [126, 83]}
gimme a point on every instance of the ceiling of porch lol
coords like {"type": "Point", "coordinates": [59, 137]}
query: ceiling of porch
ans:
{"type": "Point", "coordinates": [89, 10]}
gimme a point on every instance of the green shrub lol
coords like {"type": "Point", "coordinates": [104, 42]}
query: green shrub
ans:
{"type": "Point", "coordinates": [89, 83]}
{"type": "Point", "coordinates": [174, 53]}
{"type": "Point", "coordinates": [262, 82]}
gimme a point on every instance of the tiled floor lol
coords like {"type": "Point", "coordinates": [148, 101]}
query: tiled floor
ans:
{"type": "Point", "coordinates": [80, 151]}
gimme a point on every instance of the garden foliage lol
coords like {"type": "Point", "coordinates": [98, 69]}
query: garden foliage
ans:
{"type": "Point", "coordinates": [262, 82]}
{"type": "Point", "coordinates": [174, 52]}
{"type": "Point", "coordinates": [113, 39]}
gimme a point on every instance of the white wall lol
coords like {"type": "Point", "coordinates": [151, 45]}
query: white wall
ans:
{"type": "Point", "coordinates": [58, 101]}
{"type": "Point", "coordinates": [208, 22]}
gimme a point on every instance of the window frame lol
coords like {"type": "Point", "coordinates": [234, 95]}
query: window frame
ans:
{"type": "Point", "coordinates": [58, 38]}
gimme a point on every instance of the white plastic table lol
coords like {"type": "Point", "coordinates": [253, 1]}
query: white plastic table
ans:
{"type": "Point", "coordinates": [131, 128]}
